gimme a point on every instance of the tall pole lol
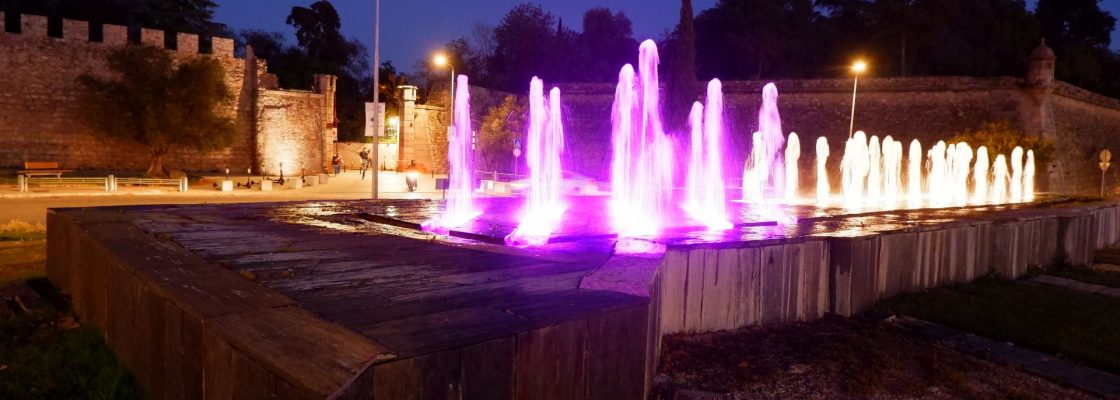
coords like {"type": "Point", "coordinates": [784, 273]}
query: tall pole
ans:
{"type": "Point", "coordinates": [376, 92]}
{"type": "Point", "coordinates": [852, 119]}
{"type": "Point", "coordinates": [451, 104]}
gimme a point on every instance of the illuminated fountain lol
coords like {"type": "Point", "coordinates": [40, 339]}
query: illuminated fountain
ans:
{"type": "Point", "coordinates": [460, 193]}
{"type": "Point", "coordinates": [706, 198]}
{"type": "Point", "coordinates": [824, 189]}
{"type": "Point", "coordinates": [793, 153]}
{"type": "Point", "coordinates": [543, 207]}
{"type": "Point", "coordinates": [641, 170]}
{"type": "Point", "coordinates": [765, 168]}
{"type": "Point", "coordinates": [980, 176]}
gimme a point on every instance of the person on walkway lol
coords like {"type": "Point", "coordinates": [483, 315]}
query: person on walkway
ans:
{"type": "Point", "coordinates": [364, 155]}
{"type": "Point", "coordinates": [336, 162]}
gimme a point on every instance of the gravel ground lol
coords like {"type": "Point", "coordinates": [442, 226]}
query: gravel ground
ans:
{"type": "Point", "coordinates": [837, 358]}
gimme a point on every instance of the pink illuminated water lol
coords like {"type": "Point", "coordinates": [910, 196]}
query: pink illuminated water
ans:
{"type": "Point", "coordinates": [545, 142]}
{"type": "Point", "coordinates": [765, 169]}
{"type": "Point", "coordinates": [641, 170]}
{"type": "Point", "coordinates": [460, 193]}
{"type": "Point", "coordinates": [706, 199]}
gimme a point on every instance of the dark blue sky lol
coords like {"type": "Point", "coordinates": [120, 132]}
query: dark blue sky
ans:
{"type": "Point", "coordinates": [413, 29]}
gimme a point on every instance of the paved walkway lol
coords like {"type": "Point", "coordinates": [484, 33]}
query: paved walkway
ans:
{"type": "Point", "coordinates": [31, 207]}
{"type": "Point", "coordinates": [1061, 371]}
{"type": "Point", "coordinates": [1077, 285]}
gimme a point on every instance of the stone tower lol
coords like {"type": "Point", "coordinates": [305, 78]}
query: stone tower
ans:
{"type": "Point", "coordinates": [1041, 66]}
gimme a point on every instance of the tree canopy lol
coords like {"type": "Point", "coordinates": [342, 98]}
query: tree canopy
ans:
{"type": "Point", "coordinates": [158, 103]}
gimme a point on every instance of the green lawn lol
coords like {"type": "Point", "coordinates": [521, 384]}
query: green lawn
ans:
{"type": "Point", "coordinates": [1082, 327]}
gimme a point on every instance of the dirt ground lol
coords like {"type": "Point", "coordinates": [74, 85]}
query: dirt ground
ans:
{"type": "Point", "coordinates": [837, 358]}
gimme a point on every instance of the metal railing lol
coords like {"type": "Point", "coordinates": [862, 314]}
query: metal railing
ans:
{"type": "Point", "coordinates": [110, 183]}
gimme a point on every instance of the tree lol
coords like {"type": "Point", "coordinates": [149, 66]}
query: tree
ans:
{"type": "Point", "coordinates": [526, 46]}
{"type": "Point", "coordinates": [605, 45]}
{"type": "Point", "coordinates": [328, 52]}
{"type": "Point", "coordinates": [159, 105]}
{"type": "Point", "coordinates": [1079, 32]}
{"type": "Point", "coordinates": [751, 39]}
{"type": "Point", "coordinates": [681, 82]}
{"type": "Point", "coordinates": [500, 126]}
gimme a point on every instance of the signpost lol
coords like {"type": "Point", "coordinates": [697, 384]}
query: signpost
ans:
{"type": "Point", "coordinates": [516, 156]}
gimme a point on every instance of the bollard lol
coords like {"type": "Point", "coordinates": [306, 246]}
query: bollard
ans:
{"type": "Point", "coordinates": [111, 184]}
{"type": "Point", "coordinates": [266, 185]}
{"type": "Point", "coordinates": [22, 183]}
{"type": "Point", "coordinates": [183, 184]}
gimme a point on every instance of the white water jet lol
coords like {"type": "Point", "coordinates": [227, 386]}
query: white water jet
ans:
{"type": "Point", "coordinates": [1028, 177]}
{"type": "Point", "coordinates": [892, 168]}
{"type": "Point", "coordinates": [874, 170]}
{"type": "Point", "coordinates": [823, 188]}
{"type": "Point", "coordinates": [1017, 174]}
{"type": "Point", "coordinates": [793, 153]}
{"type": "Point", "coordinates": [980, 177]}
{"type": "Point", "coordinates": [1000, 180]}
{"type": "Point", "coordinates": [914, 174]}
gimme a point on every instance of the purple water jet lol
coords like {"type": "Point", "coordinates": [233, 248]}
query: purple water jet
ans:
{"type": "Point", "coordinates": [706, 198]}
{"type": "Point", "coordinates": [641, 169]}
{"type": "Point", "coordinates": [460, 193]}
{"type": "Point", "coordinates": [543, 207]}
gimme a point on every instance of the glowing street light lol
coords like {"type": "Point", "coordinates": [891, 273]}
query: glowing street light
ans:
{"type": "Point", "coordinates": [858, 67]}
{"type": "Point", "coordinates": [441, 60]}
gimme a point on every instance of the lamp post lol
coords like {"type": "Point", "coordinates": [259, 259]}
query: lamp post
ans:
{"type": "Point", "coordinates": [857, 68]}
{"type": "Point", "coordinates": [376, 92]}
{"type": "Point", "coordinates": [441, 60]}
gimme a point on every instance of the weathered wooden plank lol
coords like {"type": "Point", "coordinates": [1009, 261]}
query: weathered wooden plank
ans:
{"type": "Point", "coordinates": [219, 376]}
{"type": "Point", "coordinates": [749, 287]}
{"type": "Point", "coordinates": [694, 291]}
{"type": "Point", "coordinates": [430, 377]}
{"type": "Point", "coordinates": [551, 362]}
{"type": "Point", "coordinates": [772, 295]}
{"type": "Point", "coordinates": [488, 369]}
{"type": "Point", "coordinates": [251, 382]}
{"type": "Point", "coordinates": [310, 354]}
{"type": "Point", "coordinates": [672, 281]}
{"type": "Point", "coordinates": [193, 358]}
{"type": "Point", "coordinates": [173, 349]}
{"type": "Point", "coordinates": [616, 352]}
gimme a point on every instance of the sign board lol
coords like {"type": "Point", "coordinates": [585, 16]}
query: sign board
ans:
{"type": "Point", "coordinates": [517, 144]}
{"type": "Point", "coordinates": [371, 116]}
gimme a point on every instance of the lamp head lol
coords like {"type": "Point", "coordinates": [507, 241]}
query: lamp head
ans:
{"type": "Point", "coordinates": [859, 66]}
{"type": "Point", "coordinates": [440, 59]}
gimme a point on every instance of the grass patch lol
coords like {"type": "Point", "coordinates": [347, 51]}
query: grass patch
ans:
{"type": "Point", "coordinates": [23, 251]}
{"type": "Point", "coordinates": [1087, 275]}
{"type": "Point", "coordinates": [42, 360]}
{"type": "Point", "coordinates": [1069, 324]}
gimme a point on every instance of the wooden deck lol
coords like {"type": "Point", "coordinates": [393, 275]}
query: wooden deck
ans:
{"type": "Point", "coordinates": [348, 299]}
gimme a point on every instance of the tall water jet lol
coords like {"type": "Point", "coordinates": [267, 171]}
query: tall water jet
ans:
{"type": "Point", "coordinates": [980, 177]}
{"type": "Point", "coordinates": [937, 174]}
{"type": "Point", "coordinates": [962, 159]}
{"type": "Point", "coordinates": [1000, 179]}
{"type": "Point", "coordinates": [765, 163]}
{"type": "Point", "coordinates": [460, 193]}
{"type": "Point", "coordinates": [1017, 174]}
{"type": "Point", "coordinates": [823, 187]}
{"type": "Point", "coordinates": [892, 167]}
{"type": "Point", "coordinates": [545, 142]}
{"type": "Point", "coordinates": [793, 153]}
{"type": "Point", "coordinates": [874, 170]}
{"type": "Point", "coordinates": [641, 169]}
{"type": "Point", "coordinates": [854, 168]}
{"type": "Point", "coordinates": [706, 197]}
{"type": "Point", "coordinates": [1028, 177]}
{"type": "Point", "coordinates": [914, 174]}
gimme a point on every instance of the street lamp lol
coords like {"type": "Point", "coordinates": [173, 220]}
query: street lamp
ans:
{"type": "Point", "coordinates": [440, 60]}
{"type": "Point", "coordinates": [857, 68]}
{"type": "Point", "coordinates": [376, 95]}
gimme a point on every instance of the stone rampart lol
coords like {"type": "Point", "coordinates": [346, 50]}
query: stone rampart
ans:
{"type": "Point", "coordinates": [39, 111]}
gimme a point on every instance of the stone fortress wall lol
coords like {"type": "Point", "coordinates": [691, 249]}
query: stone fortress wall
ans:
{"type": "Point", "coordinates": [1079, 123]}
{"type": "Point", "coordinates": [39, 116]}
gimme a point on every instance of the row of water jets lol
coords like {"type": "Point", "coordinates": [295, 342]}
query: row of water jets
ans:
{"type": "Point", "coordinates": [642, 175]}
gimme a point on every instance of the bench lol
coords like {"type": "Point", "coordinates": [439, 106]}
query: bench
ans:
{"type": "Point", "coordinates": [42, 168]}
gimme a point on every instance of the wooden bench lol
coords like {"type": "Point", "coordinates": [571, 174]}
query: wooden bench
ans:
{"type": "Point", "coordinates": [42, 168]}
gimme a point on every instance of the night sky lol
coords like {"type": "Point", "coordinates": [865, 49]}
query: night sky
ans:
{"type": "Point", "coordinates": [413, 29]}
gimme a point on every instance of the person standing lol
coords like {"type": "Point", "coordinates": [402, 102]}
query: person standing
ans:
{"type": "Point", "coordinates": [336, 162]}
{"type": "Point", "coordinates": [364, 155]}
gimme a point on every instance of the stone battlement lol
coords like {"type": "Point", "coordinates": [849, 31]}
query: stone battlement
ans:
{"type": "Point", "coordinates": [35, 27]}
